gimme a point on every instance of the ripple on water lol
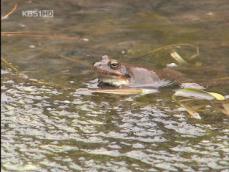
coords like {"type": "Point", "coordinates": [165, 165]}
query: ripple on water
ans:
{"type": "Point", "coordinates": [43, 128]}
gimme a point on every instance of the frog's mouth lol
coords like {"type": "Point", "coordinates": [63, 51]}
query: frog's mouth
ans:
{"type": "Point", "coordinates": [113, 79]}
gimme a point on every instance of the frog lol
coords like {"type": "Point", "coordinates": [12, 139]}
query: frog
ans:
{"type": "Point", "coordinates": [112, 73]}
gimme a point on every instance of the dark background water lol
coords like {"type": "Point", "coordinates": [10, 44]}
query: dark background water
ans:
{"type": "Point", "coordinates": [50, 129]}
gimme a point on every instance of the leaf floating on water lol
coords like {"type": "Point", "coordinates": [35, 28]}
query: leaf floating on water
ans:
{"type": "Point", "coordinates": [125, 91]}
{"type": "Point", "coordinates": [177, 57]}
{"type": "Point", "coordinates": [198, 94]}
{"type": "Point", "coordinates": [225, 109]}
{"type": "Point", "coordinates": [193, 93]}
{"type": "Point", "coordinates": [192, 112]}
{"type": "Point", "coordinates": [149, 91]}
{"type": "Point", "coordinates": [119, 91]}
{"type": "Point", "coordinates": [217, 96]}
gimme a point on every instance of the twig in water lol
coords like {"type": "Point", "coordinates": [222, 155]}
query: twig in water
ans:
{"type": "Point", "coordinates": [40, 35]}
{"type": "Point", "coordinates": [10, 65]}
{"type": "Point", "coordinates": [9, 13]}
{"type": "Point", "coordinates": [174, 46]}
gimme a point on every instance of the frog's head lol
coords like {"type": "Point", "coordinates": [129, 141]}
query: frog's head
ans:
{"type": "Point", "coordinates": [111, 72]}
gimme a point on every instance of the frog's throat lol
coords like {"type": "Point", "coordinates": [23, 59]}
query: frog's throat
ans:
{"type": "Point", "coordinates": [115, 82]}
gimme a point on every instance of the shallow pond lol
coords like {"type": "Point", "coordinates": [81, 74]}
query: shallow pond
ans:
{"type": "Point", "coordinates": [46, 127]}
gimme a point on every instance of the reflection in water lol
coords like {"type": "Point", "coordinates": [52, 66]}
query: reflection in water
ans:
{"type": "Point", "coordinates": [50, 129]}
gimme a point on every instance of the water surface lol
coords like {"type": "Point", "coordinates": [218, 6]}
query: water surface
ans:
{"type": "Point", "coordinates": [48, 128]}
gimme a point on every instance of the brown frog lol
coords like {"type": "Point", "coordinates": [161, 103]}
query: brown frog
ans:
{"type": "Point", "coordinates": [113, 73]}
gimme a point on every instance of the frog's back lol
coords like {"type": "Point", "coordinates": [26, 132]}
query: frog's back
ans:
{"type": "Point", "coordinates": [141, 77]}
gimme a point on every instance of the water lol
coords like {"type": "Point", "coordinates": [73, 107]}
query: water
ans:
{"type": "Point", "coordinates": [48, 128]}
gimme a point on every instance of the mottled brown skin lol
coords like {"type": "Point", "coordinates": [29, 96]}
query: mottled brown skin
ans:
{"type": "Point", "coordinates": [111, 72]}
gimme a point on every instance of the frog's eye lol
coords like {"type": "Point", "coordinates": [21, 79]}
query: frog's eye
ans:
{"type": "Point", "coordinates": [114, 64]}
